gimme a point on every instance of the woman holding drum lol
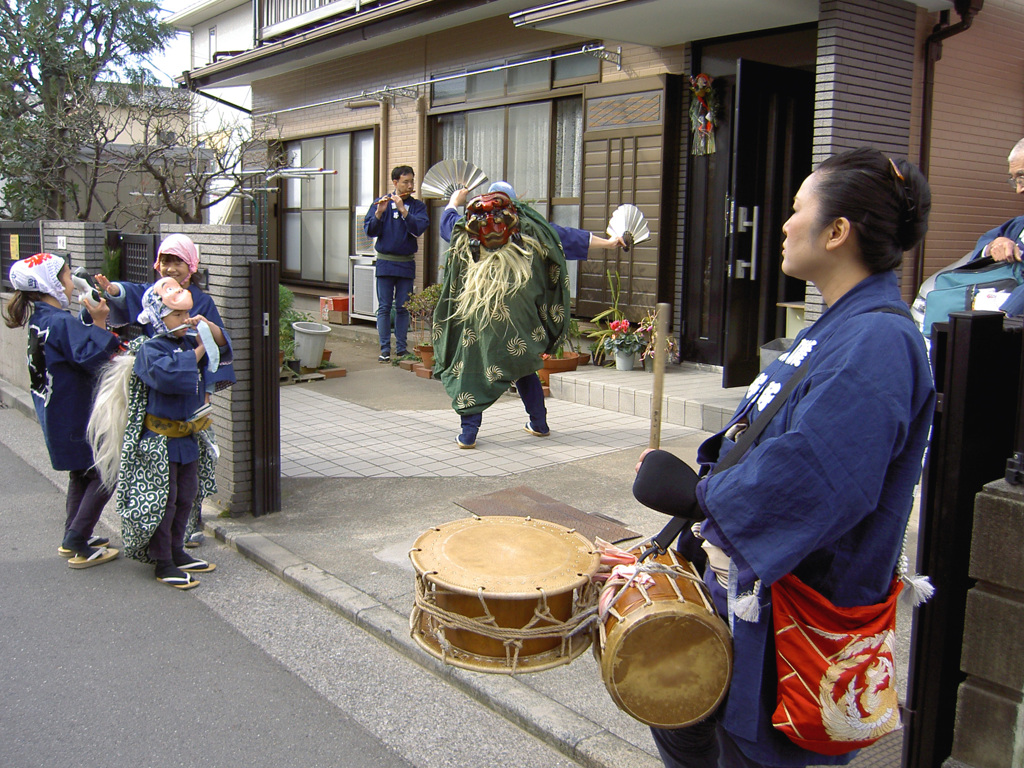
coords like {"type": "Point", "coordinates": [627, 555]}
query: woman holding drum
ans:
{"type": "Point", "coordinates": [825, 491]}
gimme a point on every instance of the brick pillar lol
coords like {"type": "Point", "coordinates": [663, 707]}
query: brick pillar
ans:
{"type": "Point", "coordinates": [83, 240]}
{"type": "Point", "coordinates": [989, 730]}
{"type": "Point", "coordinates": [865, 71]}
{"type": "Point", "coordinates": [224, 252]}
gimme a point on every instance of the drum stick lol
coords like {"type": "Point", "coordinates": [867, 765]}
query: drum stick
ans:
{"type": "Point", "coordinates": [660, 353]}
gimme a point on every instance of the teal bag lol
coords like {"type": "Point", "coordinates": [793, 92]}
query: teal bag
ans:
{"type": "Point", "coordinates": [955, 290]}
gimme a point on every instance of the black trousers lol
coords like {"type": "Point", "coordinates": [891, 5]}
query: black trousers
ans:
{"type": "Point", "coordinates": [702, 745]}
{"type": "Point", "coordinates": [85, 501]}
{"type": "Point", "coordinates": [183, 485]}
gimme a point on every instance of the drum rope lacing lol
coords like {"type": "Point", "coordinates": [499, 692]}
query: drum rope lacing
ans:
{"type": "Point", "coordinates": [584, 613]}
{"type": "Point", "coordinates": [675, 572]}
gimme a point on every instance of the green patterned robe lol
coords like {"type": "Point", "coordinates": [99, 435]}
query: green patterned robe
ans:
{"type": "Point", "coordinates": [476, 364]}
{"type": "Point", "coordinates": [142, 483]}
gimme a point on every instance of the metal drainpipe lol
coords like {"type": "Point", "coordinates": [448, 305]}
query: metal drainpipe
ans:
{"type": "Point", "coordinates": [423, 279]}
{"type": "Point", "coordinates": [967, 10]}
{"type": "Point", "coordinates": [385, 132]}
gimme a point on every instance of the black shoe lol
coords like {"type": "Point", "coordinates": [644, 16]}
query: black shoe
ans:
{"type": "Point", "coordinates": [384, 359]}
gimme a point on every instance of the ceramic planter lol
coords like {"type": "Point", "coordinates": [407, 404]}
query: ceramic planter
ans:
{"type": "Point", "coordinates": [624, 361]}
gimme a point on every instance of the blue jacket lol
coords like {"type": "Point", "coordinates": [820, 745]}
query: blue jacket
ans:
{"type": "Point", "coordinates": [826, 491]}
{"type": "Point", "coordinates": [397, 236]}
{"type": "Point", "coordinates": [575, 242]}
{"type": "Point", "coordinates": [126, 306]}
{"type": "Point", "coordinates": [177, 385]}
{"type": "Point", "coordinates": [1013, 229]}
{"type": "Point", "coordinates": [64, 357]}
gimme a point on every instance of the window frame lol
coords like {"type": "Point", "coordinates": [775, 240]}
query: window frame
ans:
{"type": "Point", "coordinates": [355, 221]}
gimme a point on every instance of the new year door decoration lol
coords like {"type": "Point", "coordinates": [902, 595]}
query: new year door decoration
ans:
{"type": "Point", "coordinates": [703, 115]}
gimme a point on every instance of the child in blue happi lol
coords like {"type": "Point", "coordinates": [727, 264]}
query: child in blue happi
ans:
{"type": "Point", "coordinates": [168, 454]}
{"type": "Point", "coordinates": [177, 257]}
{"type": "Point", "coordinates": [64, 357]}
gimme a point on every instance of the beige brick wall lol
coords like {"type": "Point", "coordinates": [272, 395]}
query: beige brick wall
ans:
{"type": "Point", "coordinates": [464, 48]}
{"type": "Point", "coordinates": [978, 116]}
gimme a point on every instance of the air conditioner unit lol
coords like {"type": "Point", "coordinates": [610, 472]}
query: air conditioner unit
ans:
{"type": "Point", "coordinates": [363, 244]}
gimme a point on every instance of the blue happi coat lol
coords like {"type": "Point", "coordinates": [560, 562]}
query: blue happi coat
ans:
{"type": "Point", "coordinates": [167, 365]}
{"type": "Point", "coordinates": [126, 306]}
{"type": "Point", "coordinates": [826, 491]}
{"type": "Point", "coordinates": [64, 356]}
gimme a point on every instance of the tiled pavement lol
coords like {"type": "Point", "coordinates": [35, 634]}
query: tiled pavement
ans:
{"type": "Point", "coordinates": [372, 443]}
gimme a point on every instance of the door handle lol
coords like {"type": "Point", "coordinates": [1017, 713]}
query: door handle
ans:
{"type": "Point", "coordinates": [742, 226]}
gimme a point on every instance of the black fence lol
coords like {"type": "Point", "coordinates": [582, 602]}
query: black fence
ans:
{"type": "Point", "coordinates": [977, 437]}
{"type": "Point", "coordinates": [18, 240]}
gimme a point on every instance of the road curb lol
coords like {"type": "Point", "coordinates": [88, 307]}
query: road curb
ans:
{"type": "Point", "coordinates": [568, 732]}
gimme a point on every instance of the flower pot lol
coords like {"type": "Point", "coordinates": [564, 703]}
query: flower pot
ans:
{"type": "Point", "coordinates": [583, 358]}
{"type": "Point", "coordinates": [567, 362]}
{"type": "Point", "coordinates": [425, 353]}
{"type": "Point", "coordinates": [624, 361]}
{"type": "Point", "coordinates": [310, 339]}
{"type": "Point", "coordinates": [326, 355]}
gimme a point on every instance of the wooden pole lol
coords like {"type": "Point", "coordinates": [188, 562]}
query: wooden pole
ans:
{"type": "Point", "coordinates": [660, 354]}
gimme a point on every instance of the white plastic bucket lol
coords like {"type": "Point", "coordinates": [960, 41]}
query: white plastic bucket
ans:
{"type": "Point", "coordinates": [310, 339]}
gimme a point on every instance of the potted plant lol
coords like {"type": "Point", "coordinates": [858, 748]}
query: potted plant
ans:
{"type": "Point", "coordinates": [288, 315]}
{"type": "Point", "coordinates": [611, 315]}
{"type": "Point", "coordinates": [421, 311]}
{"type": "Point", "coordinates": [623, 342]}
{"type": "Point", "coordinates": [648, 332]}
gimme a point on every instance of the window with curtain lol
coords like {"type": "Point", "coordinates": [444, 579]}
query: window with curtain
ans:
{"type": "Point", "coordinates": [322, 218]}
{"type": "Point", "coordinates": [537, 147]}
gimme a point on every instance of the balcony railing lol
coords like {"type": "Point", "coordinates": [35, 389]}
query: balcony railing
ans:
{"type": "Point", "coordinates": [280, 17]}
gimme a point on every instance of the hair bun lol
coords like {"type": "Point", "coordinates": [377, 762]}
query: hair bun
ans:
{"type": "Point", "coordinates": [915, 205]}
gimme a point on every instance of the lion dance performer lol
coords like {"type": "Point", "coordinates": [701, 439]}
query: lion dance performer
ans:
{"type": "Point", "coordinates": [504, 302]}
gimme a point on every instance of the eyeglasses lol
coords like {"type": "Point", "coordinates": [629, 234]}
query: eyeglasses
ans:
{"type": "Point", "coordinates": [1016, 181]}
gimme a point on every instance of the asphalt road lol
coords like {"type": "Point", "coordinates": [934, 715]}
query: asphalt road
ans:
{"type": "Point", "coordinates": [107, 666]}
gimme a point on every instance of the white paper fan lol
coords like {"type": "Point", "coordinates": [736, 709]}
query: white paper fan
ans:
{"type": "Point", "coordinates": [445, 177]}
{"type": "Point", "coordinates": [629, 223]}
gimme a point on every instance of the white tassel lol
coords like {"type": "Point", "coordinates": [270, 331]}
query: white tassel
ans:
{"type": "Point", "coordinates": [917, 589]}
{"type": "Point", "coordinates": [747, 606]}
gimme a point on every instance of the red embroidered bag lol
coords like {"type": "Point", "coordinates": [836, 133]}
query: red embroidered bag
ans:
{"type": "Point", "coordinates": [837, 683]}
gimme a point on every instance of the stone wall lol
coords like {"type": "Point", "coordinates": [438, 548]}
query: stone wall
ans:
{"type": "Point", "coordinates": [225, 253]}
{"type": "Point", "coordinates": [989, 729]}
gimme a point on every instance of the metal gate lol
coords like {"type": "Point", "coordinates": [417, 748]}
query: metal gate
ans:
{"type": "Point", "coordinates": [18, 240]}
{"type": "Point", "coordinates": [138, 252]}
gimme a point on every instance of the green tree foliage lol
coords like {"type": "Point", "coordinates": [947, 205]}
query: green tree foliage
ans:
{"type": "Point", "coordinates": [52, 55]}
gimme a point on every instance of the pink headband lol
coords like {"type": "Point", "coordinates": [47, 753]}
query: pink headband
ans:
{"type": "Point", "coordinates": [182, 247]}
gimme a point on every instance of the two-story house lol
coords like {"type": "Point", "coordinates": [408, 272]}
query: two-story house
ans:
{"type": "Point", "coordinates": [585, 104]}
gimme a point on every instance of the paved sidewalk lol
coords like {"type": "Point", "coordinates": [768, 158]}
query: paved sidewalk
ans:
{"type": "Point", "coordinates": [369, 462]}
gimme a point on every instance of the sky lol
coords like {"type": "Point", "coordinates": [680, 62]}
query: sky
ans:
{"type": "Point", "coordinates": [175, 58]}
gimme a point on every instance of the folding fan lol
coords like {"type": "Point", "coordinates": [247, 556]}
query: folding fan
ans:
{"type": "Point", "coordinates": [629, 223]}
{"type": "Point", "coordinates": [445, 177]}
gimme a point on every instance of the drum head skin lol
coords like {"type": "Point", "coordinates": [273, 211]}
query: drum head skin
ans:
{"type": "Point", "coordinates": [503, 594]}
{"type": "Point", "coordinates": [511, 557]}
{"type": "Point", "coordinates": [666, 668]}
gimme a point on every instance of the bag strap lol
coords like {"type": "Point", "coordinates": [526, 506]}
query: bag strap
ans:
{"type": "Point", "coordinates": [676, 525]}
{"type": "Point", "coordinates": [750, 434]}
